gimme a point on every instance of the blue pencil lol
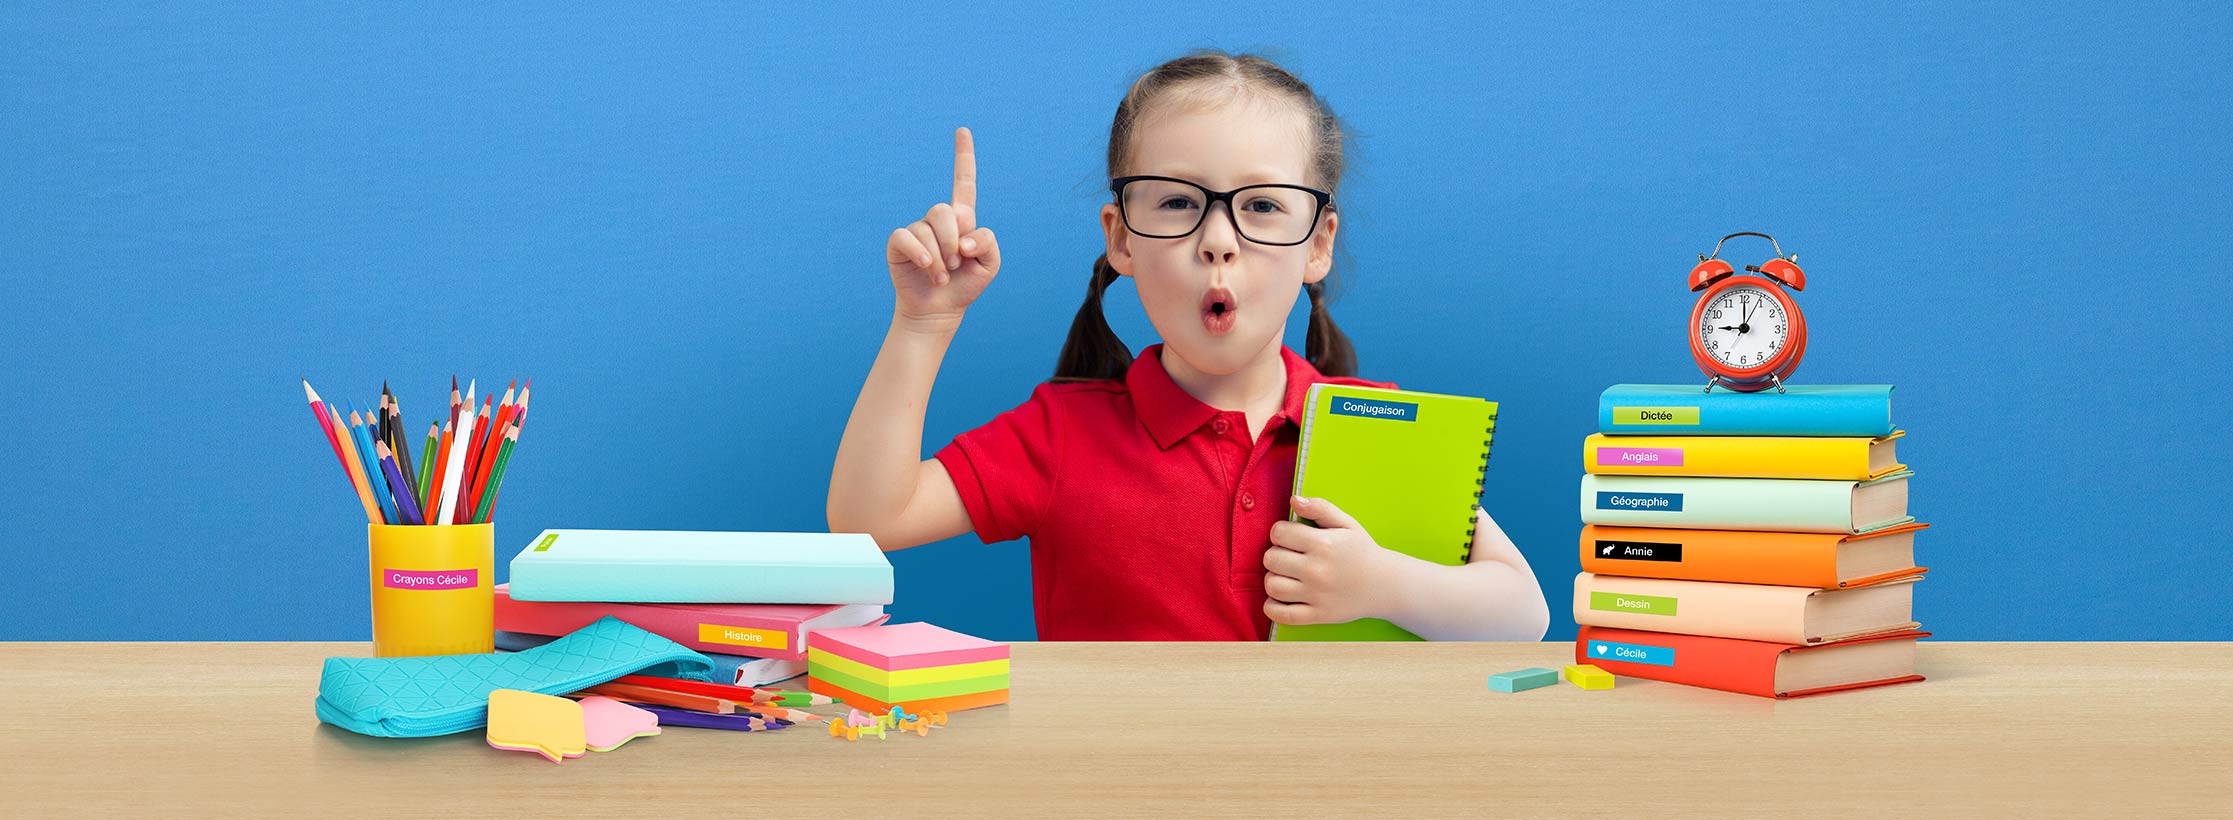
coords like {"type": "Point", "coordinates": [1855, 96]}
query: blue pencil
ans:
{"type": "Point", "coordinates": [372, 466]}
{"type": "Point", "coordinates": [397, 487]}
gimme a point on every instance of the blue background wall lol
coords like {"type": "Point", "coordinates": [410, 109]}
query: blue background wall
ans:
{"type": "Point", "coordinates": [675, 225]}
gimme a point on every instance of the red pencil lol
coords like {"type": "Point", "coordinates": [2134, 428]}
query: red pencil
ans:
{"type": "Point", "coordinates": [441, 467]}
{"type": "Point", "coordinates": [474, 440]}
{"type": "Point", "coordinates": [486, 458]}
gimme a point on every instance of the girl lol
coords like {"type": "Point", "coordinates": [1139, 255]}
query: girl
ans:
{"type": "Point", "coordinates": [1154, 489]}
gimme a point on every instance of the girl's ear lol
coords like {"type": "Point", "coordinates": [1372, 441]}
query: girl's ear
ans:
{"type": "Point", "coordinates": [1120, 240]}
{"type": "Point", "coordinates": [1321, 250]}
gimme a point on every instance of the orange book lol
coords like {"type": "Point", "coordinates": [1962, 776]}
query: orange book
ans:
{"type": "Point", "coordinates": [1791, 559]}
{"type": "Point", "coordinates": [1769, 670]}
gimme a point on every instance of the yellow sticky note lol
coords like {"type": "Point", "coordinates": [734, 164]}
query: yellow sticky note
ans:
{"type": "Point", "coordinates": [1588, 676]}
{"type": "Point", "coordinates": [547, 725]}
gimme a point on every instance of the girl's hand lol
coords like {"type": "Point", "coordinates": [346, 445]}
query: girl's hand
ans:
{"type": "Point", "coordinates": [943, 261]}
{"type": "Point", "coordinates": [1331, 573]}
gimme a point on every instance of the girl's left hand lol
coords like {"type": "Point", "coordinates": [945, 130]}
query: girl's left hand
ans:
{"type": "Point", "coordinates": [1331, 573]}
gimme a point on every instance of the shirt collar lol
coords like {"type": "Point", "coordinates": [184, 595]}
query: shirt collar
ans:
{"type": "Point", "coordinates": [1169, 413]}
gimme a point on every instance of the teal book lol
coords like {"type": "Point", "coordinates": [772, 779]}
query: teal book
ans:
{"type": "Point", "coordinates": [1760, 504]}
{"type": "Point", "coordinates": [1407, 466]}
{"type": "Point", "coordinates": [1849, 410]}
{"type": "Point", "coordinates": [664, 566]}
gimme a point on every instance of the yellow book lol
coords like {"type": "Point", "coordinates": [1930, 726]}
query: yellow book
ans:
{"type": "Point", "coordinates": [1844, 459]}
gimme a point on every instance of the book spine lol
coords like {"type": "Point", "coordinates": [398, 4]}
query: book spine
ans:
{"type": "Point", "coordinates": [697, 629]}
{"type": "Point", "coordinates": [1777, 504]}
{"type": "Point", "coordinates": [1752, 612]}
{"type": "Point", "coordinates": [1672, 410]}
{"type": "Point", "coordinates": [1775, 558]}
{"type": "Point", "coordinates": [1826, 458]}
{"type": "Point", "coordinates": [1743, 667]}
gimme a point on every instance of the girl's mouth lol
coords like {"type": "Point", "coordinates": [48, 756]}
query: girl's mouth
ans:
{"type": "Point", "coordinates": [1218, 307]}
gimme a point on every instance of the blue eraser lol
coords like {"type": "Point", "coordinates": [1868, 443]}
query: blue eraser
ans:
{"type": "Point", "coordinates": [1522, 680]}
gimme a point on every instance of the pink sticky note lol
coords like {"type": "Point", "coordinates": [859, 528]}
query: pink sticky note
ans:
{"type": "Point", "coordinates": [607, 723]}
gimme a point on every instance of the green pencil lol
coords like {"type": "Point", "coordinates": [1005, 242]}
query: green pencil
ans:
{"type": "Point", "coordinates": [496, 476]}
{"type": "Point", "coordinates": [426, 459]}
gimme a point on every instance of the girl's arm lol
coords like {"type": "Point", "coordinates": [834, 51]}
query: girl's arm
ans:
{"type": "Point", "coordinates": [1335, 573]}
{"type": "Point", "coordinates": [880, 483]}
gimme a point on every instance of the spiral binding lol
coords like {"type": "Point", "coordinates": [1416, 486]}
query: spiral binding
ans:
{"type": "Point", "coordinates": [1465, 554]}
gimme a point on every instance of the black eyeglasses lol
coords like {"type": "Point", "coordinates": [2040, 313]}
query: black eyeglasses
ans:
{"type": "Point", "coordinates": [1168, 208]}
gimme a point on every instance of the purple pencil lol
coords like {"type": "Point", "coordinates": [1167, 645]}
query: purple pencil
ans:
{"type": "Point", "coordinates": [406, 509]}
{"type": "Point", "coordinates": [669, 716]}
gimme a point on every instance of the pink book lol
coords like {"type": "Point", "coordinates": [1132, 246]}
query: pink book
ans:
{"type": "Point", "coordinates": [914, 645]}
{"type": "Point", "coordinates": [758, 630]}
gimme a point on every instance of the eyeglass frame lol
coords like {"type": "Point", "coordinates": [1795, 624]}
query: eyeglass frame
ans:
{"type": "Point", "coordinates": [1116, 187]}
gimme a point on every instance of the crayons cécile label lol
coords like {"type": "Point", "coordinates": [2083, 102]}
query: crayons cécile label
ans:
{"type": "Point", "coordinates": [430, 579]}
{"type": "Point", "coordinates": [743, 636]}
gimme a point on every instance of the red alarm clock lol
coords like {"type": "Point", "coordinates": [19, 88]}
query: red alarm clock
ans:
{"type": "Point", "coordinates": [1746, 332]}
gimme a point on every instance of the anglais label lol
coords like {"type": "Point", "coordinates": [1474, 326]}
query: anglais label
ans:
{"type": "Point", "coordinates": [1368, 408]}
{"type": "Point", "coordinates": [430, 579]}
{"type": "Point", "coordinates": [1639, 457]}
{"type": "Point", "coordinates": [1647, 502]}
{"type": "Point", "coordinates": [1632, 653]}
{"type": "Point", "coordinates": [1640, 551]}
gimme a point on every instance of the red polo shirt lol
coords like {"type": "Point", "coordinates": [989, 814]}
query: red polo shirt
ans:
{"type": "Point", "coordinates": [1148, 511]}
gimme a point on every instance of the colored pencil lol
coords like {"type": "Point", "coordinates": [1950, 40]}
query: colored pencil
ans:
{"type": "Point", "coordinates": [358, 481]}
{"type": "Point", "coordinates": [399, 443]}
{"type": "Point", "coordinates": [482, 510]}
{"type": "Point", "coordinates": [441, 465]}
{"type": "Point", "coordinates": [318, 408]}
{"type": "Point", "coordinates": [325, 424]}
{"type": "Point", "coordinates": [467, 483]}
{"type": "Point", "coordinates": [363, 438]}
{"type": "Point", "coordinates": [454, 469]}
{"type": "Point", "coordinates": [498, 420]}
{"type": "Point", "coordinates": [406, 511]}
{"type": "Point", "coordinates": [426, 460]}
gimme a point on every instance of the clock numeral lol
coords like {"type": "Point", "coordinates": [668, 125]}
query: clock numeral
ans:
{"type": "Point", "coordinates": [1779, 327]}
{"type": "Point", "coordinates": [1713, 314]}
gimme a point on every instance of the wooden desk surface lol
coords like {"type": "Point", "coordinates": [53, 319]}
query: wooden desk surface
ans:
{"type": "Point", "coordinates": [1178, 730]}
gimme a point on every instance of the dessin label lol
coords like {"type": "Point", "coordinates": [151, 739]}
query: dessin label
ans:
{"type": "Point", "coordinates": [1655, 415]}
{"type": "Point", "coordinates": [1647, 502]}
{"type": "Point", "coordinates": [1639, 456]}
{"type": "Point", "coordinates": [546, 542]}
{"type": "Point", "coordinates": [743, 636]}
{"type": "Point", "coordinates": [430, 579]}
{"type": "Point", "coordinates": [1375, 409]}
{"type": "Point", "coordinates": [1632, 653]}
{"type": "Point", "coordinates": [1639, 604]}
{"type": "Point", "coordinates": [1640, 551]}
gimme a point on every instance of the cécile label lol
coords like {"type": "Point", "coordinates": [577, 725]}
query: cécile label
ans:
{"type": "Point", "coordinates": [1632, 653]}
{"type": "Point", "coordinates": [1640, 551]}
{"type": "Point", "coordinates": [1639, 604]}
{"type": "Point", "coordinates": [1644, 502]}
{"type": "Point", "coordinates": [1639, 457]}
{"type": "Point", "coordinates": [1373, 409]}
{"type": "Point", "coordinates": [1655, 415]}
{"type": "Point", "coordinates": [743, 636]}
{"type": "Point", "coordinates": [430, 579]}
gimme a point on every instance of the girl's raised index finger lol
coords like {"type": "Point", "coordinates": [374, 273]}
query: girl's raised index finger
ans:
{"type": "Point", "coordinates": [965, 169]}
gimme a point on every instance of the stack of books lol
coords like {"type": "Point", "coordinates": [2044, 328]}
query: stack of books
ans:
{"type": "Point", "coordinates": [748, 601]}
{"type": "Point", "coordinates": [1751, 542]}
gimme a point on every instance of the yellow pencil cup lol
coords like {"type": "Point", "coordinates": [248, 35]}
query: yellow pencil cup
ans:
{"type": "Point", "coordinates": [433, 589]}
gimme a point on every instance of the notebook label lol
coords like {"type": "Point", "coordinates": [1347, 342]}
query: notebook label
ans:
{"type": "Point", "coordinates": [430, 579]}
{"type": "Point", "coordinates": [546, 542]}
{"type": "Point", "coordinates": [1375, 409]}
{"type": "Point", "coordinates": [1639, 457]}
{"type": "Point", "coordinates": [1640, 551]}
{"type": "Point", "coordinates": [1632, 653]}
{"type": "Point", "coordinates": [1640, 604]}
{"type": "Point", "coordinates": [1655, 415]}
{"type": "Point", "coordinates": [742, 636]}
{"type": "Point", "coordinates": [1646, 502]}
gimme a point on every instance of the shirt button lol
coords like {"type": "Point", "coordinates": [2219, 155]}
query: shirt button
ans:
{"type": "Point", "coordinates": [1220, 426]}
{"type": "Point", "coordinates": [1248, 501]}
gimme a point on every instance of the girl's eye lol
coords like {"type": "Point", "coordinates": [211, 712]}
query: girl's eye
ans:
{"type": "Point", "coordinates": [1263, 206]}
{"type": "Point", "coordinates": [1176, 203]}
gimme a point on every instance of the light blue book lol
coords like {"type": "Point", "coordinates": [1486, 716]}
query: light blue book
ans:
{"type": "Point", "coordinates": [667, 566]}
{"type": "Point", "coordinates": [1852, 410]}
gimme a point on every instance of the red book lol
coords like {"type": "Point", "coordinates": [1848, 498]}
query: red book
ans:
{"type": "Point", "coordinates": [758, 630]}
{"type": "Point", "coordinates": [1769, 670]}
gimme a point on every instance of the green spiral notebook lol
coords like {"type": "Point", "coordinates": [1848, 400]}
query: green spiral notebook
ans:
{"type": "Point", "coordinates": [1407, 466]}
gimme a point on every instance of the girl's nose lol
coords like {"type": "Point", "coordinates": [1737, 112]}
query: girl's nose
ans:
{"type": "Point", "coordinates": [1219, 243]}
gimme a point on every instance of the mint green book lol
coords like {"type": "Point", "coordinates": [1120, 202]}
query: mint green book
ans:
{"type": "Point", "coordinates": [669, 566]}
{"type": "Point", "coordinates": [1407, 466]}
{"type": "Point", "coordinates": [1769, 504]}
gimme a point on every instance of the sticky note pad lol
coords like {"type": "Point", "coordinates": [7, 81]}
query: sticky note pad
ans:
{"type": "Point", "coordinates": [1522, 680]}
{"type": "Point", "coordinates": [547, 725]}
{"type": "Point", "coordinates": [899, 647]}
{"type": "Point", "coordinates": [1588, 676]}
{"type": "Point", "coordinates": [607, 723]}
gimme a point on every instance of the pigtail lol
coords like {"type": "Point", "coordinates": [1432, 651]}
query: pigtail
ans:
{"type": "Point", "coordinates": [1326, 347]}
{"type": "Point", "coordinates": [1093, 352]}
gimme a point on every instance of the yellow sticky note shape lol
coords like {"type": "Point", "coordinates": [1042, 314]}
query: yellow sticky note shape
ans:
{"type": "Point", "coordinates": [547, 725]}
{"type": "Point", "coordinates": [1588, 676]}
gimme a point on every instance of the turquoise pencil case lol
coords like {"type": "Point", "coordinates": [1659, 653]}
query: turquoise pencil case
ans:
{"type": "Point", "coordinates": [446, 694]}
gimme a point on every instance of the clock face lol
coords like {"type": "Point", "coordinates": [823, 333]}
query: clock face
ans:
{"type": "Point", "coordinates": [1743, 327]}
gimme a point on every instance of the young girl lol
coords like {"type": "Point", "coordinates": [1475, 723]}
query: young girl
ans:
{"type": "Point", "coordinates": [1155, 489]}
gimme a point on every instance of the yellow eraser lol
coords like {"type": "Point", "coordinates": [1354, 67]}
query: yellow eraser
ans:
{"type": "Point", "coordinates": [1588, 676]}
